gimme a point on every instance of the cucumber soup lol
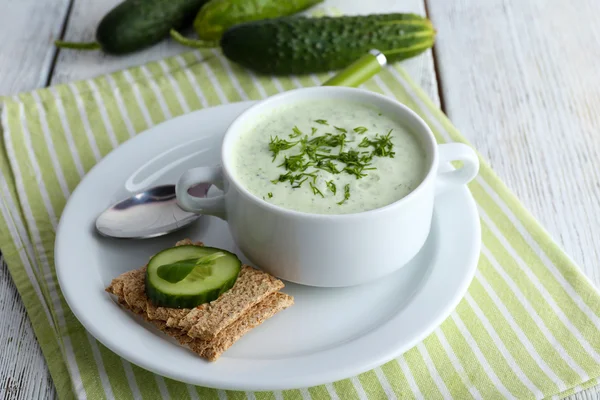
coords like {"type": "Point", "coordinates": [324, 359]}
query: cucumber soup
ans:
{"type": "Point", "coordinates": [328, 157]}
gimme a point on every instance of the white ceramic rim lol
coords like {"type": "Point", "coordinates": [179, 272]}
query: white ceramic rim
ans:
{"type": "Point", "coordinates": [323, 92]}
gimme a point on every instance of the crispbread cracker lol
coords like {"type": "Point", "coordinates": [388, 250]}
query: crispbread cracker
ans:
{"type": "Point", "coordinates": [134, 291]}
{"type": "Point", "coordinates": [211, 349]}
{"type": "Point", "coordinates": [171, 316]}
{"type": "Point", "coordinates": [251, 287]}
{"type": "Point", "coordinates": [116, 286]}
{"type": "Point", "coordinates": [185, 242]}
{"type": "Point", "coordinates": [130, 289]}
{"type": "Point", "coordinates": [215, 326]}
{"type": "Point", "coordinates": [177, 334]}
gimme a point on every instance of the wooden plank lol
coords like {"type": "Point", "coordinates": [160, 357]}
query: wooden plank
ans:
{"type": "Point", "coordinates": [520, 79]}
{"type": "Point", "coordinates": [27, 29]}
{"type": "Point", "coordinates": [23, 371]}
{"type": "Point", "coordinates": [74, 65]}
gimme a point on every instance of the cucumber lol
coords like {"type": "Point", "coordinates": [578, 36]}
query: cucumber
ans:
{"type": "Point", "coordinates": [136, 24]}
{"type": "Point", "coordinates": [218, 15]}
{"type": "Point", "coordinates": [187, 276]}
{"type": "Point", "coordinates": [301, 45]}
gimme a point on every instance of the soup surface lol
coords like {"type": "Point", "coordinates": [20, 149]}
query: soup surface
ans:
{"type": "Point", "coordinates": [328, 157]}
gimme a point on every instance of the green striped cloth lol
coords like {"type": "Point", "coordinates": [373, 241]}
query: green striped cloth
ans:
{"type": "Point", "coordinates": [528, 327]}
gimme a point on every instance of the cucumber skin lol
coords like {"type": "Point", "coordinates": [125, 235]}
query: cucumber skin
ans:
{"type": "Point", "coordinates": [159, 299]}
{"type": "Point", "coordinates": [136, 24]}
{"type": "Point", "coordinates": [300, 45]}
{"type": "Point", "coordinates": [218, 15]}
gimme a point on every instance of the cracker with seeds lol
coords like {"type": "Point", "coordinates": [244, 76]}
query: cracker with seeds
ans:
{"type": "Point", "coordinates": [187, 242]}
{"type": "Point", "coordinates": [212, 349]}
{"type": "Point", "coordinates": [172, 316]}
{"type": "Point", "coordinates": [209, 329]}
{"type": "Point", "coordinates": [251, 287]}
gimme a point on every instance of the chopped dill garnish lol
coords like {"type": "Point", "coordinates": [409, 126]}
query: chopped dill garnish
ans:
{"type": "Point", "coordinates": [327, 166]}
{"type": "Point", "coordinates": [296, 132]}
{"type": "Point", "coordinates": [331, 186]}
{"type": "Point", "coordinates": [295, 163]}
{"type": "Point", "coordinates": [346, 194]}
{"type": "Point", "coordinates": [294, 179]}
{"type": "Point", "coordinates": [365, 142]}
{"type": "Point", "coordinates": [327, 152]}
{"type": "Point", "coordinates": [299, 184]}
{"type": "Point", "coordinates": [356, 170]}
{"type": "Point", "coordinates": [276, 145]}
{"type": "Point", "coordinates": [383, 145]}
{"type": "Point", "coordinates": [335, 140]}
{"type": "Point", "coordinates": [315, 190]}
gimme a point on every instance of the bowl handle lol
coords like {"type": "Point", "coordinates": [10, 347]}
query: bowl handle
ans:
{"type": "Point", "coordinates": [205, 205]}
{"type": "Point", "coordinates": [466, 173]}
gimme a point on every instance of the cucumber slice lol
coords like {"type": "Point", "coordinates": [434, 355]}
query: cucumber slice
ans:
{"type": "Point", "coordinates": [186, 276]}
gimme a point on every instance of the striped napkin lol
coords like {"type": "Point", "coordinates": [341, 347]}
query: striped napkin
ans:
{"type": "Point", "coordinates": [527, 328]}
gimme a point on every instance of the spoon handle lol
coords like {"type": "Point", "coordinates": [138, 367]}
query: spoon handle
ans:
{"type": "Point", "coordinates": [359, 71]}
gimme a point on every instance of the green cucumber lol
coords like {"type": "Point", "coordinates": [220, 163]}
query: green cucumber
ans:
{"type": "Point", "coordinates": [301, 45]}
{"type": "Point", "coordinates": [187, 276]}
{"type": "Point", "coordinates": [136, 24]}
{"type": "Point", "coordinates": [218, 15]}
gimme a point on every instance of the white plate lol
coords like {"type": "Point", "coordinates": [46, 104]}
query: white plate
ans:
{"type": "Point", "coordinates": [329, 334]}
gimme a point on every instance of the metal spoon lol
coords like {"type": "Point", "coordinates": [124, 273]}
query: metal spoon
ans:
{"type": "Point", "coordinates": [155, 212]}
{"type": "Point", "coordinates": [148, 214]}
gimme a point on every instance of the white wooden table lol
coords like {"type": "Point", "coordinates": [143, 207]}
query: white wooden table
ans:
{"type": "Point", "coordinates": [519, 78]}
